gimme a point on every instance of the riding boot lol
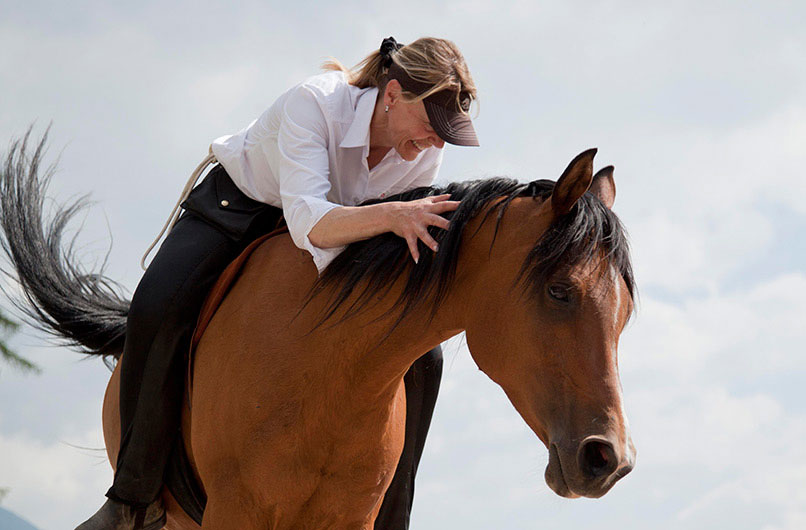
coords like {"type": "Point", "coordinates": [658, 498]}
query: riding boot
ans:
{"type": "Point", "coordinates": [116, 515]}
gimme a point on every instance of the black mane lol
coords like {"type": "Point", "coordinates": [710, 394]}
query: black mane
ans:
{"type": "Point", "coordinates": [589, 230]}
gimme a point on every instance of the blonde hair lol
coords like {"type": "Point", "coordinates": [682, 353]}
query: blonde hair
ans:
{"type": "Point", "coordinates": [437, 62]}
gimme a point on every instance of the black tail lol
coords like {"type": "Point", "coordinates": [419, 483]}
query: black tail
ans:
{"type": "Point", "coordinates": [82, 309]}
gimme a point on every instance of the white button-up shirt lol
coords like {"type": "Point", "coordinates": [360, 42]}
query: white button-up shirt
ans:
{"type": "Point", "coordinates": [308, 154]}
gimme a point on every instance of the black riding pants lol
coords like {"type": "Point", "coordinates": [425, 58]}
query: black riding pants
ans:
{"type": "Point", "coordinates": [220, 223]}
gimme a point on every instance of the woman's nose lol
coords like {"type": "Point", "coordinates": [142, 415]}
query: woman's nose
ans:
{"type": "Point", "coordinates": [437, 142]}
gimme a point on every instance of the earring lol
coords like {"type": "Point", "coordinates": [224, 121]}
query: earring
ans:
{"type": "Point", "coordinates": [386, 109]}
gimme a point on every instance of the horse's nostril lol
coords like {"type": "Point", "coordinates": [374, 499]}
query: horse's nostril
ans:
{"type": "Point", "coordinates": [597, 458]}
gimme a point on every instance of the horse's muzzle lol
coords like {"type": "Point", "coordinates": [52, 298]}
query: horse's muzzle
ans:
{"type": "Point", "coordinates": [590, 468]}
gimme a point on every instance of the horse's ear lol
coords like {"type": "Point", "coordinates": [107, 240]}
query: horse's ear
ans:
{"type": "Point", "coordinates": [604, 186]}
{"type": "Point", "coordinates": [574, 182]}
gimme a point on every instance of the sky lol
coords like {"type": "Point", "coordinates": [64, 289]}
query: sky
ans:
{"type": "Point", "coordinates": [701, 106]}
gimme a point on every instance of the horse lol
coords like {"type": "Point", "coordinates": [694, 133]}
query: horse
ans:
{"type": "Point", "coordinates": [297, 410]}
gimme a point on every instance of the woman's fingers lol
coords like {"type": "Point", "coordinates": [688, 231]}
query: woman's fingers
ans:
{"type": "Point", "coordinates": [421, 214]}
{"type": "Point", "coordinates": [429, 241]}
{"type": "Point", "coordinates": [444, 206]}
{"type": "Point", "coordinates": [412, 242]}
{"type": "Point", "coordinates": [437, 220]}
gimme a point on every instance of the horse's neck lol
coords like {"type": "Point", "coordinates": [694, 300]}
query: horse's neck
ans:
{"type": "Point", "coordinates": [385, 351]}
{"type": "Point", "coordinates": [381, 352]}
{"type": "Point", "coordinates": [488, 263]}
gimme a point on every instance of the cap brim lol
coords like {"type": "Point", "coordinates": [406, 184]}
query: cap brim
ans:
{"type": "Point", "coordinates": [454, 127]}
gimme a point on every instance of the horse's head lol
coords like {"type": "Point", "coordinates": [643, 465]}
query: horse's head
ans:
{"type": "Point", "coordinates": [543, 294]}
{"type": "Point", "coordinates": [549, 305]}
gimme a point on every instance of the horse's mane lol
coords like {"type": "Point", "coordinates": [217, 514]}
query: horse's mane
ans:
{"type": "Point", "coordinates": [589, 231]}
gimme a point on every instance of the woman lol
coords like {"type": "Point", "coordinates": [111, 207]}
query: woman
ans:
{"type": "Point", "coordinates": [323, 147]}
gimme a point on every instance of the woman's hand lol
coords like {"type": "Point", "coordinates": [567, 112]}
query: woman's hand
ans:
{"type": "Point", "coordinates": [411, 219]}
{"type": "Point", "coordinates": [408, 219]}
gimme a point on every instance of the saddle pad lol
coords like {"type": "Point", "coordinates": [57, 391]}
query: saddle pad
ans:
{"type": "Point", "coordinates": [179, 476]}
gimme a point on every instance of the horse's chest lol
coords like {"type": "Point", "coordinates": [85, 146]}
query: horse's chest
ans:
{"type": "Point", "coordinates": [357, 469]}
{"type": "Point", "coordinates": [349, 490]}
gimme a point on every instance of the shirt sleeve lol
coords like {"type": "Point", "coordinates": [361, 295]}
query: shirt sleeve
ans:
{"type": "Point", "coordinates": [303, 171]}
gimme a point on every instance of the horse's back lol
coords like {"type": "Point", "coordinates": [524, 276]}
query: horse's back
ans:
{"type": "Point", "coordinates": [276, 278]}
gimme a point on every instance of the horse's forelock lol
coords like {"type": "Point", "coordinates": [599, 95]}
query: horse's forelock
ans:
{"type": "Point", "coordinates": [590, 231]}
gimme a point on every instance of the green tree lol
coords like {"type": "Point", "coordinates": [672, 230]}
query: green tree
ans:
{"type": "Point", "coordinates": [7, 328]}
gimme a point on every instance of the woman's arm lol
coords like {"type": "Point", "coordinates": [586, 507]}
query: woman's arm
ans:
{"type": "Point", "coordinates": [320, 226]}
{"type": "Point", "coordinates": [409, 220]}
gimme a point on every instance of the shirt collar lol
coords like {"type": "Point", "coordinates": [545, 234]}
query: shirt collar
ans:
{"type": "Point", "coordinates": [358, 133]}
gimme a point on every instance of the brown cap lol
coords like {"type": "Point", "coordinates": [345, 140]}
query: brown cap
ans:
{"type": "Point", "coordinates": [449, 118]}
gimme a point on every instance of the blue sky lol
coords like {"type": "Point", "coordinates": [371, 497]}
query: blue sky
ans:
{"type": "Point", "coordinates": [701, 106]}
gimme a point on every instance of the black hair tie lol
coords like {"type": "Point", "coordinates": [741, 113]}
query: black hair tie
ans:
{"type": "Point", "coordinates": [388, 46]}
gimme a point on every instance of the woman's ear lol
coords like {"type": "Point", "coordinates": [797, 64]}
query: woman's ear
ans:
{"type": "Point", "coordinates": [392, 92]}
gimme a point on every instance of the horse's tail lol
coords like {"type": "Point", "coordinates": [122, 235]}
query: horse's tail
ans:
{"type": "Point", "coordinates": [82, 309]}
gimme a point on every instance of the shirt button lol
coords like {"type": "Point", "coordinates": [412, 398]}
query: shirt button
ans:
{"type": "Point", "coordinates": [225, 203]}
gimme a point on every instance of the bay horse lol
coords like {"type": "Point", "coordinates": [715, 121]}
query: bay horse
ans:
{"type": "Point", "coordinates": [297, 411]}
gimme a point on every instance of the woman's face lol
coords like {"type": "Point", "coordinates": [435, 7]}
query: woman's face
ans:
{"type": "Point", "coordinates": [408, 126]}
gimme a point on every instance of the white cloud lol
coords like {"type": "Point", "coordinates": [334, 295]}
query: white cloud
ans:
{"type": "Point", "coordinates": [721, 337]}
{"type": "Point", "coordinates": [778, 490]}
{"type": "Point", "coordinates": [58, 484]}
{"type": "Point", "coordinates": [699, 106]}
{"type": "Point", "coordinates": [711, 209]}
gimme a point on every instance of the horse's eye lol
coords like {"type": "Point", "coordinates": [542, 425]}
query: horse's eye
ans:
{"type": "Point", "coordinates": [558, 292]}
